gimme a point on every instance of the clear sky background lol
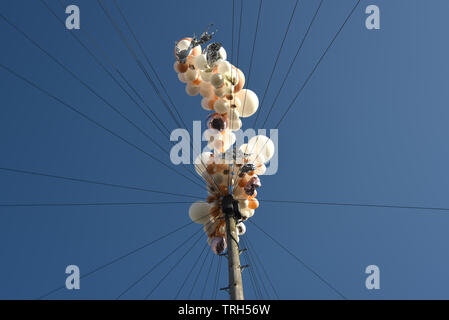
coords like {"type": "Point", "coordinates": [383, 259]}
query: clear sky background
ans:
{"type": "Point", "coordinates": [369, 128]}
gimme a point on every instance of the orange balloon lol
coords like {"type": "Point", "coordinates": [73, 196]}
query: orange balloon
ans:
{"type": "Point", "coordinates": [242, 182]}
{"type": "Point", "coordinates": [253, 196]}
{"type": "Point", "coordinates": [223, 189]}
{"type": "Point", "coordinates": [214, 211]}
{"type": "Point", "coordinates": [196, 51]}
{"type": "Point", "coordinates": [253, 203]}
{"type": "Point", "coordinates": [197, 81]}
{"type": "Point", "coordinates": [182, 67]}
{"type": "Point", "coordinates": [212, 101]}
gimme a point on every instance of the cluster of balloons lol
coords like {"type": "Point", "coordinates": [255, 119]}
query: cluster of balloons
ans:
{"type": "Point", "coordinates": [208, 73]}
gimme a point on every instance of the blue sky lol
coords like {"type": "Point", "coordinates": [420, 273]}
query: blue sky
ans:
{"type": "Point", "coordinates": [369, 128]}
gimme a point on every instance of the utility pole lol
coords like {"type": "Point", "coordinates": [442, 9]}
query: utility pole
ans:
{"type": "Point", "coordinates": [230, 210]}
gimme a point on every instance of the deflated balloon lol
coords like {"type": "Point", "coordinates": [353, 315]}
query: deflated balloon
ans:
{"type": "Point", "coordinates": [199, 212]}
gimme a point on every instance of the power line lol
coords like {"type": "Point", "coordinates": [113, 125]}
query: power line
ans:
{"type": "Point", "coordinates": [358, 205]}
{"type": "Point", "coordinates": [251, 277]}
{"type": "Point", "coordinates": [139, 63]}
{"type": "Point", "coordinates": [180, 245]}
{"type": "Point", "coordinates": [94, 92]}
{"type": "Point", "coordinates": [250, 69]}
{"type": "Point", "coordinates": [256, 267]}
{"type": "Point", "coordinates": [252, 248]}
{"type": "Point", "coordinates": [143, 69]}
{"type": "Point", "coordinates": [133, 53]}
{"type": "Point", "coordinates": [240, 30]}
{"type": "Point", "coordinates": [129, 85]}
{"type": "Point", "coordinates": [231, 121]}
{"type": "Point", "coordinates": [56, 204]}
{"type": "Point", "coordinates": [94, 57]}
{"type": "Point", "coordinates": [198, 274]}
{"type": "Point", "coordinates": [276, 62]}
{"type": "Point", "coordinates": [290, 67]}
{"type": "Point", "coordinates": [190, 271]}
{"type": "Point", "coordinates": [148, 61]}
{"type": "Point", "coordinates": [287, 74]}
{"type": "Point", "coordinates": [91, 204]}
{"type": "Point", "coordinates": [232, 32]}
{"type": "Point", "coordinates": [300, 261]}
{"type": "Point", "coordinates": [106, 58]}
{"type": "Point", "coordinates": [120, 258]}
{"type": "Point", "coordinates": [173, 267]}
{"type": "Point", "coordinates": [96, 182]}
{"type": "Point", "coordinates": [253, 272]}
{"type": "Point", "coordinates": [95, 122]}
{"type": "Point", "coordinates": [217, 279]}
{"type": "Point", "coordinates": [252, 54]}
{"type": "Point", "coordinates": [317, 64]}
{"type": "Point", "coordinates": [207, 277]}
{"type": "Point", "coordinates": [311, 73]}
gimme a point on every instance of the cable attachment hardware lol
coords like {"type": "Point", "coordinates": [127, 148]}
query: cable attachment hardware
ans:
{"type": "Point", "coordinates": [231, 207]}
{"type": "Point", "coordinates": [244, 267]}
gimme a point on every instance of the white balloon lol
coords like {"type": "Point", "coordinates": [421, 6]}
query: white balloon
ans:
{"type": "Point", "coordinates": [244, 148]}
{"type": "Point", "coordinates": [235, 124]}
{"type": "Point", "coordinates": [260, 170]}
{"type": "Point", "coordinates": [247, 213]}
{"type": "Point", "coordinates": [243, 204]}
{"type": "Point", "coordinates": [221, 106]}
{"type": "Point", "coordinates": [206, 75]}
{"type": "Point", "coordinates": [200, 62]}
{"type": "Point", "coordinates": [256, 158]}
{"type": "Point", "coordinates": [236, 102]}
{"type": "Point", "coordinates": [204, 103]}
{"type": "Point", "coordinates": [175, 66]}
{"type": "Point", "coordinates": [219, 92]}
{"type": "Point", "coordinates": [234, 76]}
{"type": "Point", "coordinates": [228, 140]}
{"type": "Point", "coordinates": [211, 134]}
{"type": "Point", "coordinates": [192, 90]}
{"type": "Point", "coordinates": [227, 88]}
{"type": "Point", "coordinates": [224, 67]}
{"type": "Point", "coordinates": [199, 212]}
{"type": "Point", "coordinates": [237, 192]}
{"type": "Point", "coordinates": [233, 115]}
{"type": "Point", "coordinates": [250, 102]}
{"type": "Point", "coordinates": [183, 44]}
{"type": "Point", "coordinates": [218, 145]}
{"type": "Point", "coordinates": [217, 80]}
{"type": "Point", "coordinates": [262, 145]}
{"type": "Point", "coordinates": [206, 89]}
{"type": "Point", "coordinates": [241, 228]}
{"type": "Point", "coordinates": [217, 178]}
{"type": "Point", "coordinates": [201, 162]}
{"type": "Point", "coordinates": [222, 53]}
{"type": "Point", "coordinates": [209, 227]}
{"type": "Point", "coordinates": [191, 75]}
{"type": "Point", "coordinates": [182, 78]}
